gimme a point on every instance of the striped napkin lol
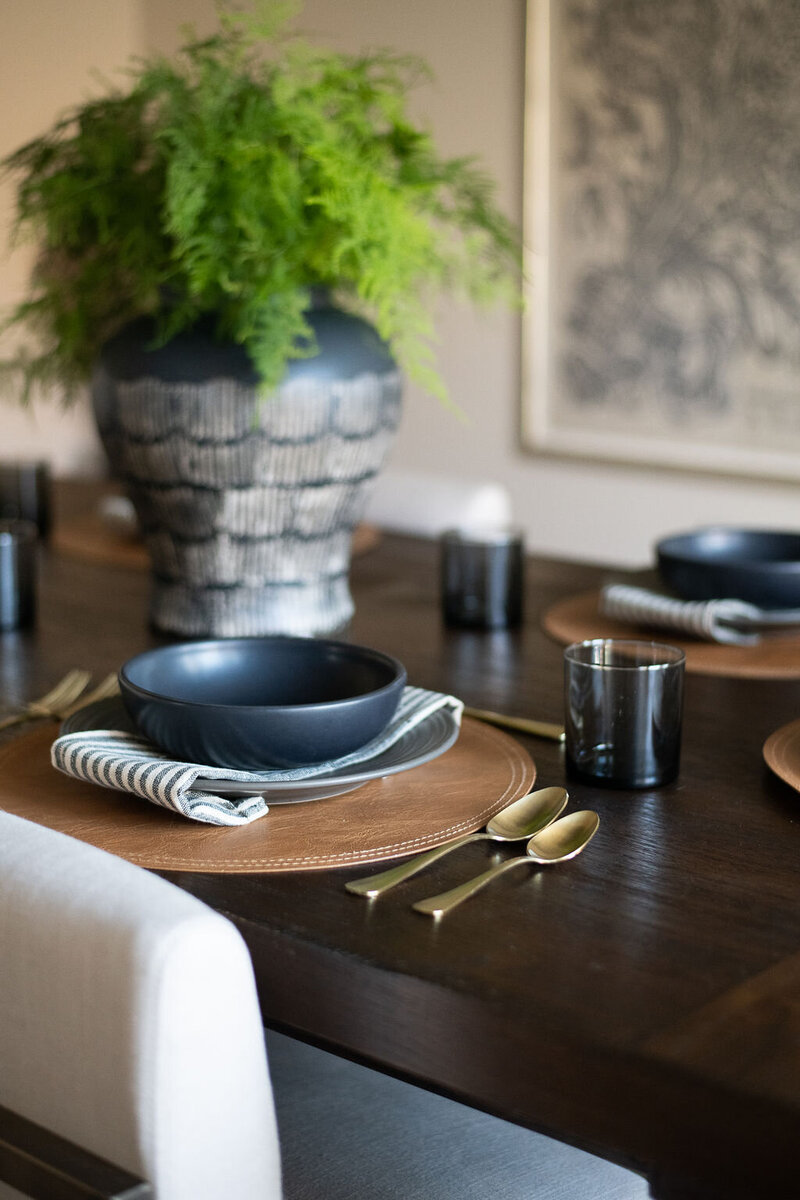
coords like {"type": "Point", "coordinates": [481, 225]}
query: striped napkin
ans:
{"type": "Point", "coordinates": [126, 762]}
{"type": "Point", "coordinates": [734, 622]}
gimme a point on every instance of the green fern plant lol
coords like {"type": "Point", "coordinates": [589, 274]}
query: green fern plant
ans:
{"type": "Point", "coordinates": [230, 180]}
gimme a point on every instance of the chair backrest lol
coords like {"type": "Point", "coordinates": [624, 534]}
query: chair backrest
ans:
{"type": "Point", "coordinates": [129, 1021]}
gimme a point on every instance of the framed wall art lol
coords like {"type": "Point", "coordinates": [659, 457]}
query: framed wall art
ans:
{"type": "Point", "coordinates": [662, 233]}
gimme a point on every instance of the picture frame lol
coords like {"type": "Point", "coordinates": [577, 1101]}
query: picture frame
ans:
{"type": "Point", "coordinates": [661, 209]}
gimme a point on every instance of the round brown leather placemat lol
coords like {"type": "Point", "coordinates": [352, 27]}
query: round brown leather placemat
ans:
{"type": "Point", "coordinates": [576, 618]}
{"type": "Point", "coordinates": [90, 539]}
{"type": "Point", "coordinates": [782, 753]}
{"type": "Point", "coordinates": [386, 818]}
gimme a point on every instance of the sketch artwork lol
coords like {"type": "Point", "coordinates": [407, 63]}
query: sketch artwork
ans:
{"type": "Point", "coordinates": [667, 300]}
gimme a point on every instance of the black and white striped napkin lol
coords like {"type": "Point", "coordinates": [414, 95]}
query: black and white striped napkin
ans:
{"type": "Point", "coordinates": [126, 762]}
{"type": "Point", "coordinates": [732, 622]}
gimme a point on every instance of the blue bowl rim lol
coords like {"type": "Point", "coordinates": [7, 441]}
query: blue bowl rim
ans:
{"type": "Point", "coordinates": [684, 548]}
{"type": "Point", "coordinates": [400, 675]}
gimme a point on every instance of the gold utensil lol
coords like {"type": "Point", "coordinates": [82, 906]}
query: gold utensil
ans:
{"type": "Point", "coordinates": [51, 704]}
{"type": "Point", "coordinates": [543, 729]}
{"type": "Point", "coordinates": [514, 823]}
{"type": "Point", "coordinates": [104, 690]}
{"type": "Point", "coordinates": [558, 842]}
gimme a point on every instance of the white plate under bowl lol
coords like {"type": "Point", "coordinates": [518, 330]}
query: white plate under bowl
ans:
{"type": "Point", "coordinates": [425, 741]}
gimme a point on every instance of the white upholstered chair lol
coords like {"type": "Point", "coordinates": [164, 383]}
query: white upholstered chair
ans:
{"type": "Point", "coordinates": [129, 1025]}
{"type": "Point", "coordinates": [129, 1022]}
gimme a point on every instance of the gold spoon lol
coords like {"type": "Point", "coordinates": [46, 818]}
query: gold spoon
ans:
{"type": "Point", "coordinates": [558, 842]}
{"type": "Point", "coordinates": [515, 823]}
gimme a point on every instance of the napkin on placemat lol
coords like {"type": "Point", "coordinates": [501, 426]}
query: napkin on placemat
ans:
{"type": "Point", "coordinates": [128, 763]}
{"type": "Point", "coordinates": [729, 621]}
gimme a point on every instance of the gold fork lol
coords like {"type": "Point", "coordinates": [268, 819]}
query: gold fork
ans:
{"type": "Point", "coordinates": [64, 693]}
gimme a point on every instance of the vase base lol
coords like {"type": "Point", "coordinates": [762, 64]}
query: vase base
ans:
{"type": "Point", "coordinates": [318, 609]}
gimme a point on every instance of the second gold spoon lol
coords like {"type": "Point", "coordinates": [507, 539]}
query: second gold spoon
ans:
{"type": "Point", "coordinates": [558, 842]}
{"type": "Point", "coordinates": [515, 823]}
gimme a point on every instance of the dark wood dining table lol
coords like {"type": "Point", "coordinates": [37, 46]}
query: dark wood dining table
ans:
{"type": "Point", "coordinates": [641, 1002]}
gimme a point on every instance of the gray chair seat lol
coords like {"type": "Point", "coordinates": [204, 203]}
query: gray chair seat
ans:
{"type": "Point", "coordinates": [348, 1132]}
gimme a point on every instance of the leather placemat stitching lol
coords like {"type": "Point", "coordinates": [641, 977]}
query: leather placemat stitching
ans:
{"type": "Point", "coordinates": [576, 617]}
{"type": "Point", "coordinates": [485, 767]}
{"type": "Point", "coordinates": [396, 849]}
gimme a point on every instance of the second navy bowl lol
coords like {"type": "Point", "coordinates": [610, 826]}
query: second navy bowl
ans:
{"type": "Point", "coordinates": [255, 703]}
{"type": "Point", "coordinates": [761, 566]}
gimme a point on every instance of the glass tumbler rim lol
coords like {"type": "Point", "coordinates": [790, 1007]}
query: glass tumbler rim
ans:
{"type": "Point", "coordinates": [669, 656]}
{"type": "Point", "coordinates": [488, 535]}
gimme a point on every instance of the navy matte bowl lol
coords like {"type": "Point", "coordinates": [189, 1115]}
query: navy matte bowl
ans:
{"type": "Point", "coordinates": [758, 565]}
{"type": "Point", "coordinates": [255, 703]}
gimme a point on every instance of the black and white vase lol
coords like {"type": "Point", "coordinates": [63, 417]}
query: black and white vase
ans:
{"type": "Point", "coordinates": [248, 505]}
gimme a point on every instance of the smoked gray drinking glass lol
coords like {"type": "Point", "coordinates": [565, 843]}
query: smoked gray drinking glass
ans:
{"type": "Point", "coordinates": [26, 493]}
{"type": "Point", "coordinates": [623, 711]}
{"type": "Point", "coordinates": [18, 552]}
{"type": "Point", "coordinates": [482, 577]}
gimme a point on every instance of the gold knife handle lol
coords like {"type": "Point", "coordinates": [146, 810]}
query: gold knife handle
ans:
{"type": "Point", "coordinates": [445, 902]}
{"type": "Point", "coordinates": [375, 885]}
{"type": "Point", "coordinates": [543, 729]}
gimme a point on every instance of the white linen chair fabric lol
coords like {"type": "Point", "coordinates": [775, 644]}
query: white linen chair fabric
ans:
{"type": "Point", "coordinates": [129, 1021]}
{"type": "Point", "coordinates": [129, 1024]}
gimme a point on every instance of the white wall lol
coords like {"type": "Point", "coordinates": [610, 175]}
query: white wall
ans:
{"type": "Point", "coordinates": [48, 52]}
{"type": "Point", "coordinates": [567, 507]}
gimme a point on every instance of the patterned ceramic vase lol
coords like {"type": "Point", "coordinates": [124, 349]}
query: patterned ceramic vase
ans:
{"type": "Point", "coordinates": [247, 504]}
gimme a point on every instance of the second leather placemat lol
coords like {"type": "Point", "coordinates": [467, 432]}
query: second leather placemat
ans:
{"type": "Point", "coordinates": [88, 538]}
{"type": "Point", "coordinates": [576, 618]}
{"type": "Point", "coordinates": [782, 753]}
{"type": "Point", "coordinates": [387, 818]}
